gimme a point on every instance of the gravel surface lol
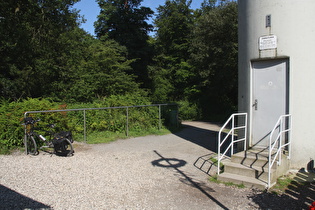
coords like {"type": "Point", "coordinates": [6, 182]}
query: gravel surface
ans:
{"type": "Point", "coordinates": [152, 172]}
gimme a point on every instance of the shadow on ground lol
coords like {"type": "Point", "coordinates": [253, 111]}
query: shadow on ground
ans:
{"type": "Point", "coordinates": [175, 164]}
{"type": "Point", "coordinates": [299, 194]}
{"type": "Point", "coordinates": [207, 138]}
{"type": "Point", "coordinates": [9, 199]}
{"type": "Point", "coordinates": [200, 136]}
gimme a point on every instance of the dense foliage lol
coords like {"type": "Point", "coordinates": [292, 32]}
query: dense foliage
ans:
{"type": "Point", "coordinates": [126, 22]}
{"type": "Point", "coordinates": [104, 120]}
{"type": "Point", "coordinates": [37, 43]}
{"type": "Point", "coordinates": [190, 60]}
{"type": "Point", "coordinates": [214, 55]}
{"type": "Point", "coordinates": [171, 65]}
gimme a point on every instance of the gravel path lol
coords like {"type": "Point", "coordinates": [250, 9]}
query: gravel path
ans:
{"type": "Point", "coordinates": [152, 172]}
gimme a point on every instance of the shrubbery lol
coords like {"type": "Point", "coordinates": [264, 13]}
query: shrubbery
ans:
{"type": "Point", "coordinates": [108, 120]}
{"type": "Point", "coordinates": [189, 110]}
{"type": "Point", "coordinates": [11, 119]}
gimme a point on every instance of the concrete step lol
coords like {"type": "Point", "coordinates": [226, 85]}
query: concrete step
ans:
{"type": "Point", "coordinates": [260, 173]}
{"type": "Point", "coordinates": [205, 164]}
{"type": "Point", "coordinates": [251, 158]}
{"type": "Point", "coordinates": [239, 179]}
{"type": "Point", "coordinates": [251, 168]}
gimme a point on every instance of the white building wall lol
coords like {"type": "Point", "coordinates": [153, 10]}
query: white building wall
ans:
{"type": "Point", "coordinates": [293, 22]}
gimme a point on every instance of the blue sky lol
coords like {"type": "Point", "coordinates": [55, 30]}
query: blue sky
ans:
{"type": "Point", "coordinates": [90, 10]}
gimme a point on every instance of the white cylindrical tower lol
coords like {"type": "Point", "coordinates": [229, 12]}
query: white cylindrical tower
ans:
{"type": "Point", "coordinates": [277, 66]}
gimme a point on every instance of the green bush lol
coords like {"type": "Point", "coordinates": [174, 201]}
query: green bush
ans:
{"type": "Point", "coordinates": [107, 120]}
{"type": "Point", "coordinates": [188, 111]}
{"type": "Point", "coordinates": [11, 119]}
{"type": "Point", "coordinates": [114, 120]}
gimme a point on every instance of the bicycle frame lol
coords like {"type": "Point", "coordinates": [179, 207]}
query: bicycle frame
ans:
{"type": "Point", "coordinates": [60, 144]}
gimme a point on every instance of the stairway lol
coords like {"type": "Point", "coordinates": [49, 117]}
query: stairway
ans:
{"type": "Point", "coordinates": [251, 169]}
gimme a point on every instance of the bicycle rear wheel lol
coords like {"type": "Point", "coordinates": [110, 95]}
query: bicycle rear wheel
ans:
{"type": "Point", "coordinates": [64, 148]}
{"type": "Point", "coordinates": [31, 146]}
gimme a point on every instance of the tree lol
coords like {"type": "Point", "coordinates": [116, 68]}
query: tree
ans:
{"type": "Point", "coordinates": [214, 57]}
{"type": "Point", "coordinates": [125, 22]}
{"type": "Point", "coordinates": [33, 44]}
{"type": "Point", "coordinates": [174, 22]}
{"type": "Point", "coordinates": [171, 68]}
{"type": "Point", "coordinates": [102, 73]}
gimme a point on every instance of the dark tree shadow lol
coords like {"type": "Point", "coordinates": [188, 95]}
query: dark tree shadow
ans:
{"type": "Point", "coordinates": [299, 194]}
{"type": "Point", "coordinates": [9, 199]}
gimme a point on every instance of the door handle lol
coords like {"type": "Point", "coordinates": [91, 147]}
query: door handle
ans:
{"type": "Point", "coordinates": [255, 104]}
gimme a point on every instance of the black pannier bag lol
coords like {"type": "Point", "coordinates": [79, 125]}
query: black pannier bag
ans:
{"type": "Point", "coordinates": [59, 141]}
{"type": "Point", "coordinates": [62, 135]}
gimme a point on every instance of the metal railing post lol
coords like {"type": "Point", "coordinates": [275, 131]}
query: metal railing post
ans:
{"type": "Point", "coordinates": [289, 136]}
{"type": "Point", "coordinates": [84, 117]}
{"type": "Point", "coordinates": [160, 117]}
{"type": "Point", "coordinates": [231, 132]}
{"type": "Point", "coordinates": [25, 135]}
{"type": "Point", "coordinates": [219, 153]}
{"type": "Point", "coordinates": [84, 125]}
{"type": "Point", "coordinates": [278, 140]}
{"type": "Point", "coordinates": [127, 122]}
{"type": "Point", "coordinates": [232, 141]}
{"type": "Point", "coordinates": [245, 135]}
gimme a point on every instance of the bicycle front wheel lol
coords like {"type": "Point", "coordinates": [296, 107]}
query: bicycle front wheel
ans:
{"type": "Point", "coordinates": [31, 146]}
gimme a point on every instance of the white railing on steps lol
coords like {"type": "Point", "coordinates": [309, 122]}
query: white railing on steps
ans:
{"type": "Point", "coordinates": [283, 139]}
{"type": "Point", "coordinates": [238, 125]}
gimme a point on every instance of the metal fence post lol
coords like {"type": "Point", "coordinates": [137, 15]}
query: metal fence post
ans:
{"type": "Point", "coordinates": [84, 119]}
{"type": "Point", "coordinates": [159, 117]}
{"type": "Point", "coordinates": [127, 119]}
{"type": "Point", "coordinates": [25, 134]}
{"type": "Point", "coordinates": [103, 108]}
{"type": "Point", "coordinates": [232, 140]}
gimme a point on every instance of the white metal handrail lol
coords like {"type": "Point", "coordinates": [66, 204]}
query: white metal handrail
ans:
{"type": "Point", "coordinates": [231, 133]}
{"type": "Point", "coordinates": [284, 126]}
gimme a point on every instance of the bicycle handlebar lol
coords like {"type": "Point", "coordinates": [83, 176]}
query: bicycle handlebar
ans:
{"type": "Point", "coordinates": [30, 120]}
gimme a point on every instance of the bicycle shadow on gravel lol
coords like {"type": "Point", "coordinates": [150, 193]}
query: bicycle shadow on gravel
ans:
{"type": "Point", "coordinates": [184, 178]}
{"type": "Point", "coordinates": [10, 199]}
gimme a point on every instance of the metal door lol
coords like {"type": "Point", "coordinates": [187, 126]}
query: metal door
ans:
{"type": "Point", "coordinates": [269, 98]}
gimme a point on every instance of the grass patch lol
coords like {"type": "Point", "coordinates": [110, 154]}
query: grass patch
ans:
{"type": "Point", "coordinates": [107, 136]}
{"type": "Point", "coordinates": [284, 183]}
{"type": "Point", "coordinates": [214, 179]}
{"type": "Point", "coordinates": [231, 184]}
{"type": "Point", "coordinates": [98, 138]}
{"type": "Point", "coordinates": [215, 163]}
{"type": "Point", "coordinates": [4, 150]}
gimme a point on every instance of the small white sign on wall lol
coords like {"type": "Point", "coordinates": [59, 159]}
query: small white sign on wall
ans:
{"type": "Point", "coordinates": [268, 42]}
